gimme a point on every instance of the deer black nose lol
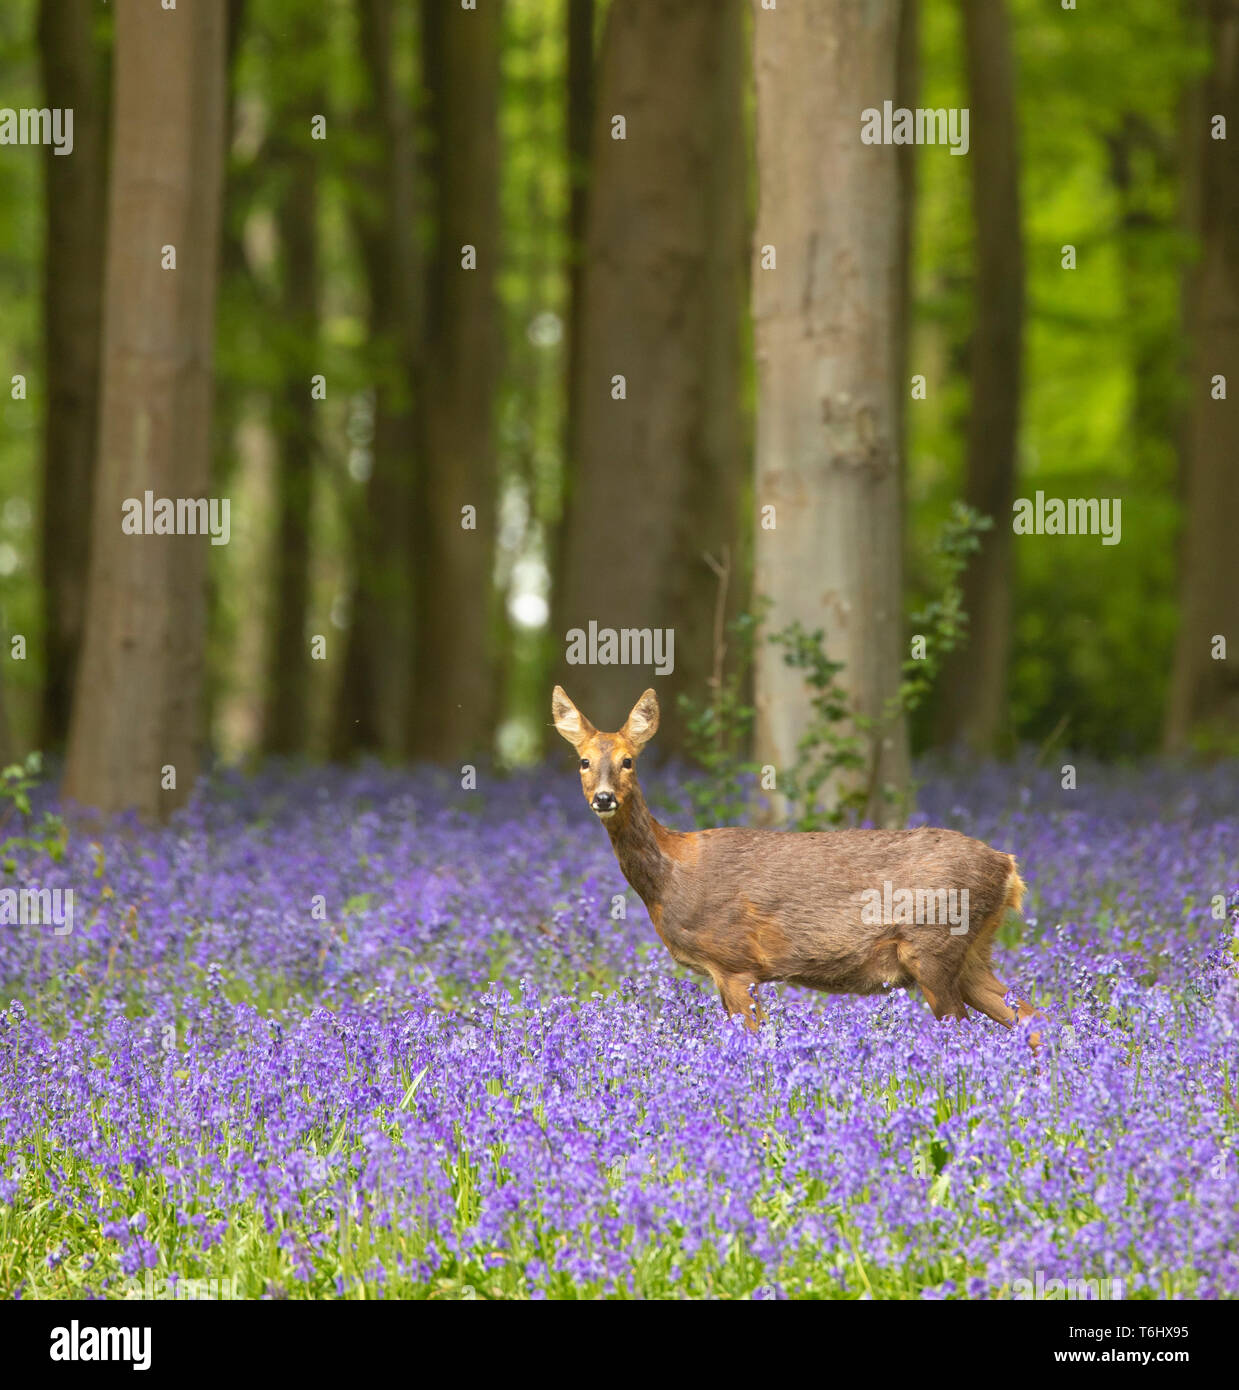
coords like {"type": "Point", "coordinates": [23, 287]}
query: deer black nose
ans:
{"type": "Point", "coordinates": [604, 801]}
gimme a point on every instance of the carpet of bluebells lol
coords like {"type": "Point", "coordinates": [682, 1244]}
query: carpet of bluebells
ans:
{"type": "Point", "coordinates": [362, 1033]}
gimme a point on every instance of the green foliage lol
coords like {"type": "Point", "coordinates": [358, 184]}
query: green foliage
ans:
{"type": "Point", "coordinates": [831, 782]}
{"type": "Point", "coordinates": [832, 748]}
{"type": "Point", "coordinates": [1100, 101]}
{"type": "Point", "coordinates": [942, 620]}
{"type": "Point", "coordinates": [838, 753]}
{"type": "Point", "coordinates": [1099, 105]}
{"type": "Point", "coordinates": [45, 834]}
{"type": "Point", "coordinates": [719, 730]}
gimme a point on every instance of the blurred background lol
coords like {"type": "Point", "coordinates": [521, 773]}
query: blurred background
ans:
{"type": "Point", "coordinates": [476, 364]}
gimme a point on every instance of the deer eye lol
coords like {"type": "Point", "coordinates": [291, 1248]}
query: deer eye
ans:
{"type": "Point", "coordinates": [584, 762]}
{"type": "Point", "coordinates": [626, 763]}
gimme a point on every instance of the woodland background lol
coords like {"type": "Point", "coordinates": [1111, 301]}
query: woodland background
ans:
{"type": "Point", "coordinates": [341, 257]}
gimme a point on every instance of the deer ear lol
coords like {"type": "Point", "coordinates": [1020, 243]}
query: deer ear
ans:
{"type": "Point", "coordinates": [569, 720]}
{"type": "Point", "coordinates": [642, 723]}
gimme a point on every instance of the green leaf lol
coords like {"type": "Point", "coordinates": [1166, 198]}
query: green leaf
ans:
{"type": "Point", "coordinates": [407, 1099]}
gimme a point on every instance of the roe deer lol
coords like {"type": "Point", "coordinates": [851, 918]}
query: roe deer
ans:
{"type": "Point", "coordinates": [747, 906]}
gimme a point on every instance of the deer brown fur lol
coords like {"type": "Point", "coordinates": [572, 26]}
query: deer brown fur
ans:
{"type": "Point", "coordinates": [749, 906]}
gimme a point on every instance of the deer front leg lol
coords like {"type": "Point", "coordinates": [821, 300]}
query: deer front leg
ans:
{"type": "Point", "coordinates": [739, 996]}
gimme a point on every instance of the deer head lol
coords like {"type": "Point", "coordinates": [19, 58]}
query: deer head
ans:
{"type": "Point", "coordinates": [608, 761]}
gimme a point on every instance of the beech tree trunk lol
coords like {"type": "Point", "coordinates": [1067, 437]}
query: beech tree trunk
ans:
{"type": "Point", "coordinates": [455, 671]}
{"type": "Point", "coordinates": [373, 707]}
{"type": "Point", "coordinates": [580, 136]}
{"type": "Point", "coordinates": [908, 78]}
{"type": "Point", "coordinates": [1204, 688]}
{"type": "Point", "coordinates": [973, 704]}
{"type": "Point", "coordinates": [135, 722]}
{"type": "Point", "coordinates": [581, 96]}
{"type": "Point", "coordinates": [74, 77]}
{"type": "Point", "coordinates": [228, 406]}
{"type": "Point", "coordinates": [285, 719]}
{"type": "Point", "coordinates": [658, 472]}
{"type": "Point", "coordinates": [827, 319]}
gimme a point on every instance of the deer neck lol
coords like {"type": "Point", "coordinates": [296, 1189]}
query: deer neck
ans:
{"type": "Point", "coordinates": [635, 836]}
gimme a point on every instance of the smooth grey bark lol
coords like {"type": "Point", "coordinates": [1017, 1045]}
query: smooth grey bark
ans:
{"type": "Point", "coordinates": [137, 704]}
{"type": "Point", "coordinates": [828, 351]}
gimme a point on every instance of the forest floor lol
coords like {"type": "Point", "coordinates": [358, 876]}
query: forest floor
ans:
{"type": "Point", "coordinates": [362, 1033]}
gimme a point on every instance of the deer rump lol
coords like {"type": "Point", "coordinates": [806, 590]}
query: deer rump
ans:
{"type": "Point", "coordinates": [811, 908]}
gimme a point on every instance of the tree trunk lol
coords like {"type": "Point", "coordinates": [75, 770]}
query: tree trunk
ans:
{"type": "Point", "coordinates": [1204, 690]}
{"type": "Point", "coordinates": [74, 77]}
{"type": "Point", "coordinates": [6, 738]}
{"type": "Point", "coordinates": [230, 393]}
{"type": "Point", "coordinates": [285, 718]}
{"type": "Point", "coordinates": [1142, 170]}
{"type": "Point", "coordinates": [285, 723]}
{"type": "Point", "coordinates": [373, 707]}
{"type": "Point", "coordinates": [908, 78]}
{"type": "Point", "coordinates": [580, 128]}
{"type": "Point", "coordinates": [974, 680]}
{"type": "Point", "coordinates": [580, 132]}
{"type": "Point", "coordinates": [658, 473]}
{"type": "Point", "coordinates": [136, 710]}
{"type": "Point", "coordinates": [454, 702]}
{"type": "Point", "coordinates": [580, 135]}
{"type": "Point", "coordinates": [826, 322]}
{"type": "Point", "coordinates": [908, 86]}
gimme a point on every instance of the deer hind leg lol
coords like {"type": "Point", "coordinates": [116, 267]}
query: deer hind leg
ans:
{"type": "Point", "coordinates": [985, 991]}
{"type": "Point", "coordinates": [937, 978]}
{"type": "Point", "coordinates": [981, 988]}
{"type": "Point", "coordinates": [943, 997]}
{"type": "Point", "coordinates": [734, 991]}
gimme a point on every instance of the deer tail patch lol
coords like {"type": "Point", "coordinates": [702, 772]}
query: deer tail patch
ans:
{"type": "Point", "coordinates": [1015, 888]}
